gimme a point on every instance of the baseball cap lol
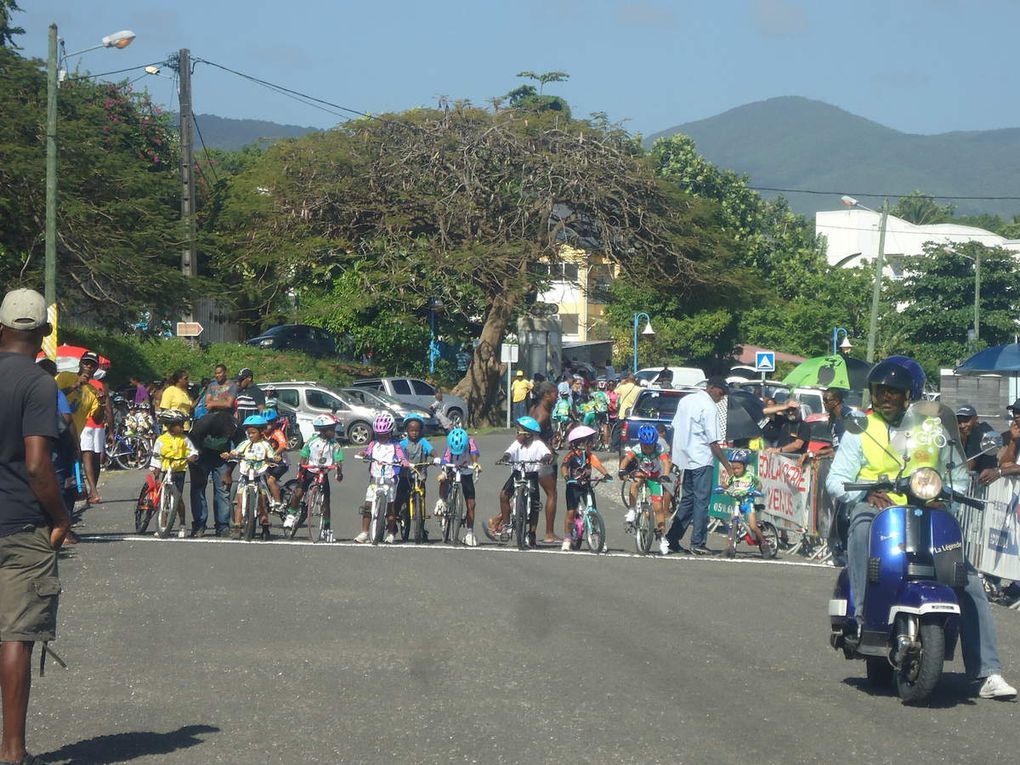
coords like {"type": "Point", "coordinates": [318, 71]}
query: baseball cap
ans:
{"type": "Point", "coordinates": [23, 309]}
{"type": "Point", "coordinates": [520, 373]}
{"type": "Point", "coordinates": [1015, 406]}
{"type": "Point", "coordinates": [718, 381]}
{"type": "Point", "coordinates": [245, 373]}
{"type": "Point", "coordinates": [90, 357]}
{"type": "Point", "coordinates": [966, 410]}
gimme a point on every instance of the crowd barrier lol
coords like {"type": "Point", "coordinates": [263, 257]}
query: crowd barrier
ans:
{"type": "Point", "coordinates": [796, 501]}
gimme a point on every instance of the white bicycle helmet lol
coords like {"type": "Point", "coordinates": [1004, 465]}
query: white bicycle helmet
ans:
{"type": "Point", "coordinates": [324, 421]}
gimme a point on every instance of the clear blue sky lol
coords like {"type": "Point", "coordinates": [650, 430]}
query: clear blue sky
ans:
{"type": "Point", "coordinates": [923, 66]}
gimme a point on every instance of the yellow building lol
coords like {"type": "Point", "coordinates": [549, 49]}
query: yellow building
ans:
{"type": "Point", "coordinates": [579, 286]}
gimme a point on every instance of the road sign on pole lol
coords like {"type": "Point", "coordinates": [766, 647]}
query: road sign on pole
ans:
{"type": "Point", "coordinates": [189, 329]}
{"type": "Point", "coordinates": [508, 353]}
{"type": "Point", "coordinates": [765, 361]}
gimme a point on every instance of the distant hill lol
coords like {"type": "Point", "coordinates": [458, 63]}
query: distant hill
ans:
{"type": "Point", "coordinates": [231, 135]}
{"type": "Point", "coordinates": [794, 142]}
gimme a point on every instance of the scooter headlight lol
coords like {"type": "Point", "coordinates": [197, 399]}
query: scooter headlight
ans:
{"type": "Point", "coordinates": [925, 483]}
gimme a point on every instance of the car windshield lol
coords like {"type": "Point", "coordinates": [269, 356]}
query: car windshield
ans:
{"type": "Point", "coordinates": [383, 398]}
{"type": "Point", "coordinates": [657, 404]}
{"type": "Point", "coordinates": [281, 329]}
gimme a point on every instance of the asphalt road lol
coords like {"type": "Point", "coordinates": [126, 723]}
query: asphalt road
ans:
{"type": "Point", "coordinates": [212, 651]}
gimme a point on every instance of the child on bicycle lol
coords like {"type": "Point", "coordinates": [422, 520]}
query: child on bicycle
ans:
{"type": "Point", "coordinates": [576, 471]}
{"type": "Point", "coordinates": [529, 450]}
{"type": "Point", "coordinates": [274, 434]}
{"type": "Point", "coordinates": [320, 453]}
{"type": "Point", "coordinates": [652, 462]}
{"type": "Point", "coordinates": [563, 410]}
{"type": "Point", "coordinates": [418, 451]}
{"type": "Point", "coordinates": [172, 451]}
{"type": "Point", "coordinates": [383, 452]}
{"type": "Point", "coordinates": [255, 452]}
{"type": "Point", "coordinates": [738, 485]}
{"type": "Point", "coordinates": [461, 455]}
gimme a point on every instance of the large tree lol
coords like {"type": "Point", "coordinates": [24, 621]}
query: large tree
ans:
{"type": "Point", "coordinates": [460, 204]}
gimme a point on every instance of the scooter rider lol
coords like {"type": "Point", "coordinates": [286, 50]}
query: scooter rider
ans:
{"type": "Point", "coordinates": [893, 383]}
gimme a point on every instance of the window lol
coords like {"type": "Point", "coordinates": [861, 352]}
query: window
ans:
{"type": "Point", "coordinates": [570, 272]}
{"type": "Point", "coordinates": [422, 388]}
{"type": "Point", "coordinates": [401, 388]}
{"type": "Point", "coordinates": [569, 323]}
{"type": "Point", "coordinates": [289, 397]}
{"type": "Point", "coordinates": [318, 399]}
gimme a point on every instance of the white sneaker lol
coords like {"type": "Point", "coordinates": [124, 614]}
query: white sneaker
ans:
{"type": "Point", "coordinates": [440, 509]}
{"type": "Point", "coordinates": [326, 535]}
{"type": "Point", "coordinates": [289, 521]}
{"type": "Point", "coordinates": [630, 517]}
{"type": "Point", "coordinates": [664, 546]}
{"type": "Point", "coordinates": [390, 538]}
{"type": "Point", "coordinates": [565, 547]}
{"type": "Point", "coordinates": [469, 539]}
{"type": "Point", "coordinates": [362, 538]}
{"type": "Point", "coordinates": [182, 534]}
{"type": "Point", "coordinates": [995, 687]}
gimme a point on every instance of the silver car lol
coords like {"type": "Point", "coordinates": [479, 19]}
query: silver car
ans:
{"type": "Point", "coordinates": [307, 400]}
{"type": "Point", "coordinates": [400, 409]}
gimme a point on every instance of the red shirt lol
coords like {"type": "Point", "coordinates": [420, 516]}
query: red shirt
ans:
{"type": "Point", "coordinates": [100, 394]}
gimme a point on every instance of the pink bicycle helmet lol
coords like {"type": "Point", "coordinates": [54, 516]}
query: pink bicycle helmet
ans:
{"type": "Point", "coordinates": [384, 423]}
{"type": "Point", "coordinates": [579, 433]}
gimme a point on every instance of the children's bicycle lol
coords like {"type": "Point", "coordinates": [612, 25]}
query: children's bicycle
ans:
{"type": "Point", "coordinates": [521, 506]}
{"type": "Point", "coordinates": [589, 527]}
{"type": "Point", "coordinates": [382, 488]}
{"type": "Point", "coordinates": [453, 520]}
{"type": "Point", "coordinates": [128, 452]}
{"type": "Point", "coordinates": [253, 498]}
{"type": "Point", "coordinates": [161, 500]}
{"type": "Point", "coordinates": [744, 503]}
{"type": "Point", "coordinates": [312, 505]}
{"type": "Point", "coordinates": [560, 429]}
{"type": "Point", "coordinates": [645, 527]}
{"type": "Point", "coordinates": [412, 518]}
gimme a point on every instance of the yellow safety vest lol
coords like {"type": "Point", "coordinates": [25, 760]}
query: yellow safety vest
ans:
{"type": "Point", "coordinates": [881, 458]}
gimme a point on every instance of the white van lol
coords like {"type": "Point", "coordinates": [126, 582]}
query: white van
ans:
{"type": "Point", "coordinates": [679, 377]}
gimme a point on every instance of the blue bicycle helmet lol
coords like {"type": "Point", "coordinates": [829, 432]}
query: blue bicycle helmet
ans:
{"type": "Point", "coordinates": [742, 456]}
{"type": "Point", "coordinates": [412, 417]}
{"type": "Point", "coordinates": [270, 416]}
{"type": "Point", "coordinates": [647, 434]}
{"type": "Point", "coordinates": [457, 441]}
{"type": "Point", "coordinates": [529, 423]}
{"type": "Point", "coordinates": [254, 421]}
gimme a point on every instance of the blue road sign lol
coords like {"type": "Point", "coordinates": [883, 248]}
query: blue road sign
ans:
{"type": "Point", "coordinates": [765, 361]}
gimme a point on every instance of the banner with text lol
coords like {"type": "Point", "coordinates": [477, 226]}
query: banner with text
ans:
{"type": "Point", "coordinates": [999, 549]}
{"type": "Point", "coordinates": [787, 488]}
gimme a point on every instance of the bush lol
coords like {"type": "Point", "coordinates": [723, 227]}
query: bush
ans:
{"type": "Point", "coordinates": [155, 358]}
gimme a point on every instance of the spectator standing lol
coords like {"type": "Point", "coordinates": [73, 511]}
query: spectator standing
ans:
{"type": "Point", "coordinates": [832, 402]}
{"type": "Point", "coordinates": [794, 433]}
{"type": "Point", "coordinates": [214, 434]}
{"type": "Point", "coordinates": [627, 394]}
{"type": "Point", "coordinates": [221, 393]}
{"type": "Point", "coordinates": [695, 448]}
{"type": "Point", "coordinates": [971, 432]}
{"type": "Point", "coordinates": [519, 390]}
{"type": "Point", "coordinates": [176, 395]}
{"type": "Point", "coordinates": [249, 397]}
{"type": "Point", "coordinates": [84, 407]}
{"type": "Point", "coordinates": [141, 392]}
{"type": "Point", "coordinates": [66, 450]}
{"type": "Point", "coordinates": [33, 521]}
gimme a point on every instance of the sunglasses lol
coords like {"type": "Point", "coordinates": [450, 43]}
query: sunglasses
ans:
{"type": "Point", "coordinates": [525, 433]}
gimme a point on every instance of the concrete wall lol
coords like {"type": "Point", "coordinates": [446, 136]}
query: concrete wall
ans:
{"type": "Point", "coordinates": [989, 394]}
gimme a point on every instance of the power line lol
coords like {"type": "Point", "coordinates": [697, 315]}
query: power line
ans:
{"type": "Point", "coordinates": [208, 159]}
{"type": "Point", "coordinates": [115, 71]}
{"type": "Point", "coordinates": [878, 195]}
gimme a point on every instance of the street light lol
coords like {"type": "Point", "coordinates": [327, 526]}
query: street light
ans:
{"type": "Point", "coordinates": [974, 334]}
{"type": "Point", "coordinates": [876, 292]}
{"type": "Point", "coordinates": [845, 345]}
{"type": "Point", "coordinates": [646, 331]}
{"type": "Point", "coordinates": [117, 40]}
{"type": "Point", "coordinates": [434, 306]}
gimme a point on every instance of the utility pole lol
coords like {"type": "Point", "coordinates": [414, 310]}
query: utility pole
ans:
{"type": "Point", "coordinates": [189, 255]}
{"type": "Point", "coordinates": [876, 292]}
{"type": "Point", "coordinates": [977, 295]}
{"type": "Point", "coordinates": [50, 342]}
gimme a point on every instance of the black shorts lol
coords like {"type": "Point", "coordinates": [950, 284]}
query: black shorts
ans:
{"type": "Point", "coordinates": [277, 471]}
{"type": "Point", "coordinates": [467, 485]}
{"type": "Point", "coordinates": [403, 491]}
{"type": "Point", "coordinates": [575, 493]}
{"type": "Point", "coordinates": [305, 479]}
{"type": "Point", "coordinates": [508, 487]}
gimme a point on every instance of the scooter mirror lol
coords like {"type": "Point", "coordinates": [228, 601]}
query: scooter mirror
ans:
{"type": "Point", "coordinates": [991, 442]}
{"type": "Point", "coordinates": [856, 423]}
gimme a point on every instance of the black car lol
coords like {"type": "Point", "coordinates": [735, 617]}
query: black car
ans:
{"type": "Point", "coordinates": [314, 341]}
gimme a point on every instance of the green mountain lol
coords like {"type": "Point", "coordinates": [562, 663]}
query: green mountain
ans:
{"type": "Point", "coordinates": [794, 142]}
{"type": "Point", "coordinates": [232, 134]}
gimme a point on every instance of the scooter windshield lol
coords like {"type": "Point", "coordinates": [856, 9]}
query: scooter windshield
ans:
{"type": "Point", "coordinates": [928, 436]}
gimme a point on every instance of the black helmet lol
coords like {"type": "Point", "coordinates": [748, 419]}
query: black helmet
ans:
{"type": "Point", "coordinates": [892, 374]}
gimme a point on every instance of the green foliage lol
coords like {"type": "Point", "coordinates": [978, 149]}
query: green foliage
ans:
{"type": "Point", "coordinates": [7, 30]}
{"type": "Point", "coordinates": [153, 359]}
{"type": "Point", "coordinates": [921, 209]}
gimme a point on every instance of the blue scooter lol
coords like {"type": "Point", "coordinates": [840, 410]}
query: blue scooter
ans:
{"type": "Point", "coordinates": [911, 619]}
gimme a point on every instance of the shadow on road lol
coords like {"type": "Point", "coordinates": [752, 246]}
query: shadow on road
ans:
{"type": "Point", "coordinates": [954, 689]}
{"type": "Point", "coordinates": [123, 747]}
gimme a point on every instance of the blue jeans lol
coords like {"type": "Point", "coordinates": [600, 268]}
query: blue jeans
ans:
{"type": "Point", "coordinates": [201, 472]}
{"type": "Point", "coordinates": [978, 642]}
{"type": "Point", "coordinates": [518, 409]}
{"type": "Point", "coordinates": [694, 504]}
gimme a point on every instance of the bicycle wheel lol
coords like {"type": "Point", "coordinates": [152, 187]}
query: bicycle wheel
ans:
{"type": "Point", "coordinates": [416, 508]}
{"type": "Point", "coordinates": [309, 506]}
{"type": "Point", "coordinates": [521, 512]}
{"type": "Point", "coordinates": [644, 533]}
{"type": "Point", "coordinates": [625, 492]}
{"type": "Point", "coordinates": [455, 514]}
{"type": "Point", "coordinates": [144, 510]}
{"type": "Point", "coordinates": [771, 536]}
{"type": "Point", "coordinates": [249, 511]}
{"type": "Point", "coordinates": [132, 453]}
{"type": "Point", "coordinates": [595, 531]}
{"type": "Point", "coordinates": [379, 521]}
{"type": "Point", "coordinates": [167, 510]}
{"type": "Point", "coordinates": [731, 538]}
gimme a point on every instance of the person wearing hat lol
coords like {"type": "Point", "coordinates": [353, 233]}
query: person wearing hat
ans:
{"type": "Point", "coordinates": [519, 390]}
{"type": "Point", "coordinates": [33, 520]}
{"type": "Point", "coordinates": [1007, 461]}
{"type": "Point", "coordinates": [85, 409]}
{"type": "Point", "coordinates": [696, 437]}
{"type": "Point", "coordinates": [250, 400]}
{"type": "Point", "coordinates": [971, 433]}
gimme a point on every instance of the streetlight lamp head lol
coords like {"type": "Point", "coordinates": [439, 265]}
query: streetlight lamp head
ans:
{"type": "Point", "coordinates": [119, 40]}
{"type": "Point", "coordinates": [848, 201]}
{"type": "Point", "coordinates": [648, 329]}
{"type": "Point", "coordinates": [152, 70]}
{"type": "Point", "coordinates": [845, 345]}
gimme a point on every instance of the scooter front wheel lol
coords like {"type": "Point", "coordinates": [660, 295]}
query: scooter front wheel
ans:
{"type": "Point", "coordinates": [920, 672]}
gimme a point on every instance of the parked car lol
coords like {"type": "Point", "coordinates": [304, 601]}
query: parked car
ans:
{"type": "Point", "coordinates": [400, 409]}
{"type": "Point", "coordinates": [414, 391]}
{"type": "Point", "coordinates": [306, 400]}
{"type": "Point", "coordinates": [314, 341]}
{"type": "Point", "coordinates": [654, 406]}
{"type": "Point", "coordinates": [679, 377]}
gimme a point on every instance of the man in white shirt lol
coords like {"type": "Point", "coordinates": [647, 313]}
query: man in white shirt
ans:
{"type": "Point", "coordinates": [696, 437]}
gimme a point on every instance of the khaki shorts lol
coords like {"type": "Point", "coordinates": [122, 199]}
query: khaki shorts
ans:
{"type": "Point", "coordinates": [29, 587]}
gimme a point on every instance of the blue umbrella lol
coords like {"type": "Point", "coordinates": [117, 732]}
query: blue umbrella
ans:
{"type": "Point", "coordinates": [999, 359]}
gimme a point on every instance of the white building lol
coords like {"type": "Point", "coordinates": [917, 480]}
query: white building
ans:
{"type": "Point", "coordinates": [853, 233]}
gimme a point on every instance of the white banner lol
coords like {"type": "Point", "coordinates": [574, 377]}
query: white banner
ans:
{"type": "Point", "coordinates": [1000, 535]}
{"type": "Point", "coordinates": [787, 488]}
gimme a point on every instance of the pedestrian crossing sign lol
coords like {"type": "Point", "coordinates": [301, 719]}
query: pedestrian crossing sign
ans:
{"type": "Point", "coordinates": [765, 361]}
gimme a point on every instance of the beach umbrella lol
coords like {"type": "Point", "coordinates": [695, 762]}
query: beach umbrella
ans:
{"type": "Point", "coordinates": [744, 411]}
{"type": "Point", "coordinates": [999, 359]}
{"type": "Point", "coordinates": [833, 371]}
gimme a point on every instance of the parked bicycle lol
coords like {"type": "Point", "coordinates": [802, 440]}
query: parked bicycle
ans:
{"type": "Point", "coordinates": [128, 452]}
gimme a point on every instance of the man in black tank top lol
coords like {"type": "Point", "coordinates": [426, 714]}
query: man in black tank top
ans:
{"type": "Point", "coordinates": [545, 399]}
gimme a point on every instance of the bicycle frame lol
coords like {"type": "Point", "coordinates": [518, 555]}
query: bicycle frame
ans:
{"type": "Point", "coordinates": [248, 479]}
{"type": "Point", "coordinates": [520, 500]}
{"type": "Point", "coordinates": [381, 490]}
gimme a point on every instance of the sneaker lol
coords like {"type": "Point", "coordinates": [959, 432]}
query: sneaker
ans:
{"type": "Point", "coordinates": [235, 532]}
{"type": "Point", "coordinates": [289, 521]}
{"type": "Point", "coordinates": [565, 547]}
{"type": "Point", "coordinates": [664, 547]}
{"type": "Point", "coordinates": [326, 535]}
{"type": "Point", "coordinates": [182, 534]}
{"type": "Point", "coordinates": [390, 538]}
{"type": "Point", "coordinates": [700, 550]}
{"type": "Point", "coordinates": [362, 538]}
{"type": "Point", "coordinates": [630, 518]}
{"type": "Point", "coordinates": [995, 687]}
{"type": "Point", "coordinates": [440, 509]}
{"type": "Point", "coordinates": [469, 539]}
{"type": "Point", "coordinates": [199, 532]}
